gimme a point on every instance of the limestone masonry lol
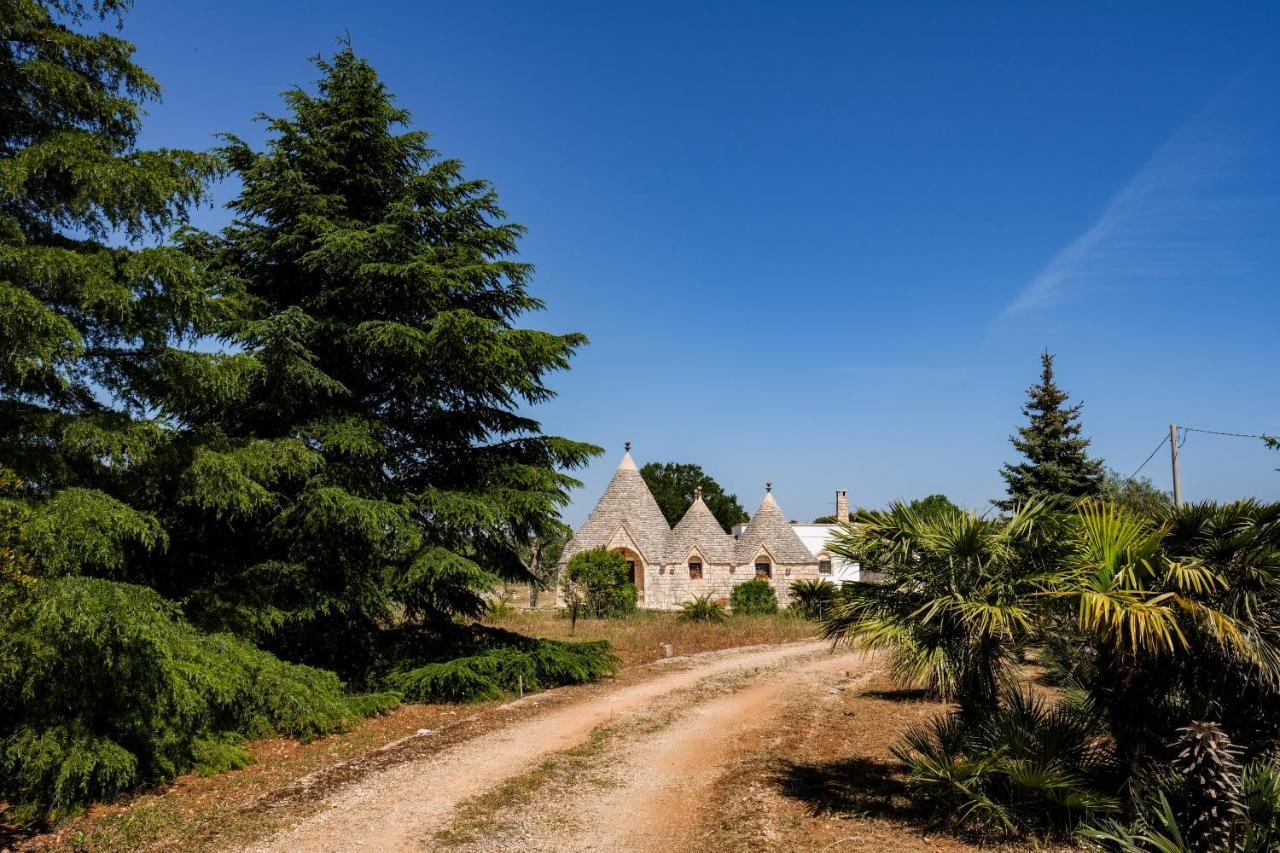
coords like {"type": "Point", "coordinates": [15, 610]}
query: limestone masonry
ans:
{"type": "Point", "coordinates": [697, 557]}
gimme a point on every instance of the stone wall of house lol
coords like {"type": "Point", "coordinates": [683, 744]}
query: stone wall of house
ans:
{"type": "Point", "coordinates": [668, 587]}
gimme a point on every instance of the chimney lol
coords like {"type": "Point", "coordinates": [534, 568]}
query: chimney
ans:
{"type": "Point", "coordinates": [842, 506]}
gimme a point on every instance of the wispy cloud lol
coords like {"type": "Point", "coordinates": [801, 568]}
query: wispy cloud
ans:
{"type": "Point", "coordinates": [1177, 217]}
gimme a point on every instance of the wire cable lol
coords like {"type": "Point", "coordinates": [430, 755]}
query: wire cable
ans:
{"type": "Point", "coordinates": [1149, 458]}
{"type": "Point", "coordinates": [1217, 432]}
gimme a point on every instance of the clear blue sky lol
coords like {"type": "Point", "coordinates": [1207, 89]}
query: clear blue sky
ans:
{"type": "Point", "coordinates": [824, 244]}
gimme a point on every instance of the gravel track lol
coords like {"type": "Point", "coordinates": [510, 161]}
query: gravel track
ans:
{"type": "Point", "coordinates": [402, 807]}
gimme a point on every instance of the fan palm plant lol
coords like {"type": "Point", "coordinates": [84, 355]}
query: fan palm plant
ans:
{"type": "Point", "coordinates": [1029, 765]}
{"type": "Point", "coordinates": [957, 596]}
{"type": "Point", "coordinates": [814, 598]}
{"type": "Point", "coordinates": [1149, 620]}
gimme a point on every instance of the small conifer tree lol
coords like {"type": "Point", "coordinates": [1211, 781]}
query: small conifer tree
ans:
{"type": "Point", "coordinates": [1057, 463]}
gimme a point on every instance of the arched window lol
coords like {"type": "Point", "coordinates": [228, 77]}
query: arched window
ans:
{"type": "Point", "coordinates": [764, 568]}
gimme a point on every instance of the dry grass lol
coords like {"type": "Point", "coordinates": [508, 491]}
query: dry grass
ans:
{"type": "Point", "coordinates": [639, 638]}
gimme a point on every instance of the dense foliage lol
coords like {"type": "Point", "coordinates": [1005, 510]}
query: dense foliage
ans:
{"type": "Point", "coordinates": [597, 584]}
{"type": "Point", "coordinates": [367, 460]}
{"type": "Point", "coordinates": [928, 505]}
{"type": "Point", "coordinates": [1056, 451]}
{"type": "Point", "coordinates": [479, 664]}
{"type": "Point", "coordinates": [1162, 632]}
{"type": "Point", "coordinates": [104, 687]}
{"type": "Point", "coordinates": [956, 600]}
{"type": "Point", "coordinates": [347, 477]}
{"type": "Point", "coordinates": [673, 485]}
{"type": "Point", "coordinates": [815, 598]}
{"type": "Point", "coordinates": [1134, 493]}
{"type": "Point", "coordinates": [753, 598]}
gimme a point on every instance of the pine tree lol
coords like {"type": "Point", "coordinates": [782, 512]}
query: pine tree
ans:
{"type": "Point", "coordinates": [1057, 462]}
{"type": "Point", "coordinates": [374, 462]}
{"type": "Point", "coordinates": [92, 303]}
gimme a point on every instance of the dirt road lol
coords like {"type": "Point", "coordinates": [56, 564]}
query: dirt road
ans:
{"type": "Point", "coordinates": [620, 770]}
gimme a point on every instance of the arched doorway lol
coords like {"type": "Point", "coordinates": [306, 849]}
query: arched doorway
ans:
{"type": "Point", "coordinates": [637, 569]}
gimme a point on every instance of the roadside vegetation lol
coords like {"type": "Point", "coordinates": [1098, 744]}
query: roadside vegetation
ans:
{"type": "Point", "coordinates": [1154, 632]}
{"type": "Point", "coordinates": [258, 481]}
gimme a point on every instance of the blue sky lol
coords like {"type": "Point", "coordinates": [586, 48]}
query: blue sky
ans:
{"type": "Point", "coordinates": [824, 244]}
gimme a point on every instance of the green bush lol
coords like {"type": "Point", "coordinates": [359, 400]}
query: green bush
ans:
{"type": "Point", "coordinates": [1027, 766]}
{"type": "Point", "coordinates": [494, 672]}
{"type": "Point", "coordinates": [754, 598]}
{"type": "Point", "coordinates": [103, 688]}
{"type": "Point", "coordinates": [704, 608]}
{"type": "Point", "coordinates": [1162, 822]}
{"type": "Point", "coordinates": [597, 584]}
{"type": "Point", "coordinates": [814, 598]}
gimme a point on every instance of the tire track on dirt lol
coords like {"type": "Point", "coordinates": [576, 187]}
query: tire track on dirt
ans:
{"type": "Point", "coordinates": [394, 809]}
{"type": "Point", "coordinates": [642, 789]}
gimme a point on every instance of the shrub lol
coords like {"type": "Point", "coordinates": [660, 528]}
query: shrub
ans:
{"type": "Point", "coordinates": [814, 598]}
{"type": "Point", "coordinates": [492, 672]}
{"type": "Point", "coordinates": [1027, 765]}
{"type": "Point", "coordinates": [497, 609]}
{"type": "Point", "coordinates": [597, 584]}
{"type": "Point", "coordinates": [103, 688]}
{"type": "Point", "coordinates": [704, 608]}
{"type": "Point", "coordinates": [754, 598]}
{"type": "Point", "coordinates": [1165, 823]}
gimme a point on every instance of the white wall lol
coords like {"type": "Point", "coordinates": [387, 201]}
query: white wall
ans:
{"type": "Point", "coordinates": [815, 537]}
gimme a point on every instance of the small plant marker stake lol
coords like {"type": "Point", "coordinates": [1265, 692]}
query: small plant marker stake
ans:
{"type": "Point", "coordinates": [520, 681]}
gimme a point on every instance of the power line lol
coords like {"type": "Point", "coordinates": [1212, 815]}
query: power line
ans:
{"type": "Point", "coordinates": [1149, 458]}
{"type": "Point", "coordinates": [1220, 432]}
{"type": "Point", "coordinates": [1182, 440]}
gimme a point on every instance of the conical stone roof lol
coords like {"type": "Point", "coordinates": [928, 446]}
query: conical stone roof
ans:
{"type": "Point", "coordinates": [769, 527]}
{"type": "Point", "coordinates": [699, 528]}
{"type": "Point", "coordinates": [626, 503]}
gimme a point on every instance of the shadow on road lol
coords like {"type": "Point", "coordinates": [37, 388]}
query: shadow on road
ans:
{"type": "Point", "coordinates": [904, 695]}
{"type": "Point", "coordinates": [855, 785]}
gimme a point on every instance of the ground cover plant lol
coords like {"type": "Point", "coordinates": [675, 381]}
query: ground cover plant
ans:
{"type": "Point", "coordinates": [477, 663]}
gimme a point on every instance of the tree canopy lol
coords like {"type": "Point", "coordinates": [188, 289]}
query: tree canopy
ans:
{"type": "Point", "coordinates": [336, 484]}
{"type": "Point", "coordinates": [1136, 494]}
{"type": "Point", "coordinates": [371, 455]}
{"type": "Point", "coordinates": [673, 485]}
{"type": "Point", "coordinates": [92, 303]}
{"type": "Point", "coordinates": [1057, 462]}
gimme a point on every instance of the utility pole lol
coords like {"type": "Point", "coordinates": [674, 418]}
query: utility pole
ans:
{"type": "Point", "coordinates": [1173, 453]}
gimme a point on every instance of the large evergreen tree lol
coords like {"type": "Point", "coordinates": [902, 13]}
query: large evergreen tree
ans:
{"type": "Point", "coordinates": [673, 485]}
{"type": "Point", "coordinates": [373, 462]}
{"type": "Point", "coordinates": [91, 303]}
{"type": "Point", "coordinates": [1057, 464]}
